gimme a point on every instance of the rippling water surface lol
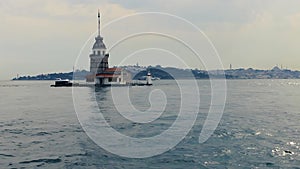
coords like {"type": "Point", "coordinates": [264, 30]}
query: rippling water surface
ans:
{"type": "Point", "coordinates": [259, 128]}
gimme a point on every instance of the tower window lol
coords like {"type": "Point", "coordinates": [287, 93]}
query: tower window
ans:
{"type": "Point", "coordinates": [103, 52]}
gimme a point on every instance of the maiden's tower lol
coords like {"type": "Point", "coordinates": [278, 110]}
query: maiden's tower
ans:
{"type": "Point", "coordinates": [100, 73]}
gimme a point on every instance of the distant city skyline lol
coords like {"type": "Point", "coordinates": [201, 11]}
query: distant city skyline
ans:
{"type": "Point", "coordinates": [46, 36]}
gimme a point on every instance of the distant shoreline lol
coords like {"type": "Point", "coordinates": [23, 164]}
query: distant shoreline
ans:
{"type": "Point", "coordinates": [168, 73]}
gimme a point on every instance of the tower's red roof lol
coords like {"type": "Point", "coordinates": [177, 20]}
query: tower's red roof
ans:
{"type": "Point", "coordinates": [114, 69]}
{"type": "Point", "coordinates": [110, 72]}
{"type": "Point", "coordinates": [107, 75]}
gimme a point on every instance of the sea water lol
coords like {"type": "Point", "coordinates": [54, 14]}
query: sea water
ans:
{"type": "Point", "coordinates": [259, 128]}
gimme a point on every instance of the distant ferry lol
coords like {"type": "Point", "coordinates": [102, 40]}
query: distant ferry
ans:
{"type": "Point", "coordinates": [62, 83]}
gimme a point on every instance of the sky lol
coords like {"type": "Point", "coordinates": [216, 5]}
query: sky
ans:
{"type": "Point", "coordinates": [47, 36]}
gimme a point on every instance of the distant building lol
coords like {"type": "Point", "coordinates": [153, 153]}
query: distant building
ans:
{"type": "Point", "coordinates": [276, 69]}
{"type": "Point", "coordinates": [100, 73]}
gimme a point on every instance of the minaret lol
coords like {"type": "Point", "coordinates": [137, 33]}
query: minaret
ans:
{"type": "Point", "coordinates": [98, 57]}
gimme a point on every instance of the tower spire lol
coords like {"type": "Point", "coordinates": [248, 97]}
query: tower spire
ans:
{"type": "Point", "coordinates": [98, 23]}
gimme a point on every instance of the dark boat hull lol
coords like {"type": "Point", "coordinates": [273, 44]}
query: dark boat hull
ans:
{"type": "Point", "coordinates": [62, 85]}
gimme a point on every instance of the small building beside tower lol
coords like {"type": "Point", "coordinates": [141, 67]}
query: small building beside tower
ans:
{"type": "Point", "coordinates": [113, 76]}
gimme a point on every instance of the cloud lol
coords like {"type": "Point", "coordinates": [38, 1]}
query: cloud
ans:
{"type": "Point", "coordinates": [247, 33]}
{"type": "Point", "coordinates": [262, 42]}
{"type": "Point", "coordinates": [201, 11]}
{"type": "Point", "coordinates": [36, 34]}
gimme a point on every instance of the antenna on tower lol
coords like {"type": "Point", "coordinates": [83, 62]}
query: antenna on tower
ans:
{"type": "Point", "coordinates": [98, 23]}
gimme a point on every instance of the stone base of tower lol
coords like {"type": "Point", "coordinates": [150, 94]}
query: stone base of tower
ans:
{"type": "Point", "coordinates": [90, 78]}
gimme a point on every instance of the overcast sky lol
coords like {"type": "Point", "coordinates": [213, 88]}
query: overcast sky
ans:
{"type": "Point", "coordinates": [43, 36]}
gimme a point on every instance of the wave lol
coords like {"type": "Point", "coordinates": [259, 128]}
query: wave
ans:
{"type": "Point", "coordinates": [45, 160]}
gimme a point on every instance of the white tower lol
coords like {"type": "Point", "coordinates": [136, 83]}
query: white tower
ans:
{"type": "Point", "coordinates": [149, 79]}
{"type": "Point", "coordinates": [98, 57]}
